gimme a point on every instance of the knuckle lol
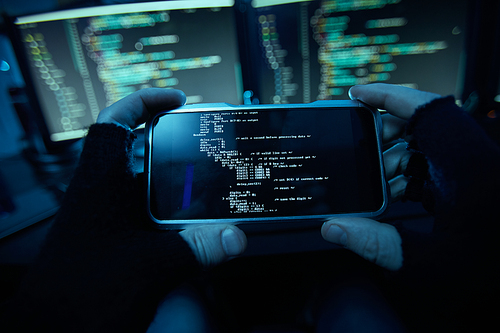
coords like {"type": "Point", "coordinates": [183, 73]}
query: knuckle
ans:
{"type": "Point", "coordinates": [370, 248]}
{"type": "Point", "coordinates": [207, 253]}
{"type": "Point", "coordinates": [382, 249]}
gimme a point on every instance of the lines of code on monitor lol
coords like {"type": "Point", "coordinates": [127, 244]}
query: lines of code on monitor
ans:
{"type": "Point", "coordinates": [81, 65]}
{"type": "Point", "coordinates": [313, 50]}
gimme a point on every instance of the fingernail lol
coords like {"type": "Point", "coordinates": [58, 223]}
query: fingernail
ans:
{"type": "Point", "coordinates": [336, 235]}
{"type": "Point", "coordinates": [350, 94]}
{"type": "Point", "coordinates": [231, 243]}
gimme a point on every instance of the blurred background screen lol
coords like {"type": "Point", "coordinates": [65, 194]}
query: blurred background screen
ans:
{"type": "Point", "coordinates": [79, 60]}
{"type": "Point", "coordinates": [302, 51]}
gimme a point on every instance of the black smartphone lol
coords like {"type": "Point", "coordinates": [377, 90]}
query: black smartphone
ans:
{"type": "Point", "coordinates": [264, 165]}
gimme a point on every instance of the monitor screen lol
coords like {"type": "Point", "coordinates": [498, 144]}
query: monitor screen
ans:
{"type": "Point", "coordinates": [312, 50]}
{"type": "Point", "coordinates": [82, 60]}
{"type": "Point", "coordinates": [79, 61]}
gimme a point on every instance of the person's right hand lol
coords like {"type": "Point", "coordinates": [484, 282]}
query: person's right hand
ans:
{"type": "Point", "coordinates": [400, 103]}
{"type": "Point", "coordinates": [379, 242]}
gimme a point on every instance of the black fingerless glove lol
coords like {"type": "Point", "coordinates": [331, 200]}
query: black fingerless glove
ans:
{"type": "Point", "coordinates": [103, 268]}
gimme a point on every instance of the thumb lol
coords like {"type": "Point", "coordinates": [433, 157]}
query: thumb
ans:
{"type": "Point", "coordinates": [377, 242]}
{"type": "Point", "coordinates": [134, 109]}
{"type": "Point", "coordinates": [214, 244]}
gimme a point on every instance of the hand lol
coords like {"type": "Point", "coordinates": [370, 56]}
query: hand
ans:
{"type": "Point", "coordinates": [133, 110]}
{"type": "Point", "coordinates": [378, 242]}
{"type": "Point", "coordinates": [211, 244]}
{"type": "Point", "coordinates": [401, 103]}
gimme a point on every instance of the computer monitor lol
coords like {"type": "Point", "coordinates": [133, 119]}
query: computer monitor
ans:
{"type": "Point", "coordinates": [79, 61]}
{"type": "Point", "coordinates": [280, 51]}
{"type": "Point", "coordinates": [301, 51]}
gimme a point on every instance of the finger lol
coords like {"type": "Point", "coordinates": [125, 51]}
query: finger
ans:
{"type": "Point", "coordinates": [396, 160]}
{"type": "Point", "coordinates": [214, 244]}
{"type": "Point", "coordinates": [135, 109]}
{"type": "Point", "coordinates": [398, 187]}
{"type": "Point", "coordinates": [392, 128]}
{"type": "Point", "coordinates": [397, 100]}
{"type": "Point", "coordinates": [376, 242]}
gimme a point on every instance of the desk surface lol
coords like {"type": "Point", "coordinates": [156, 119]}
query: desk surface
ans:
{"type": "Point", "coordinates": [30, 200]}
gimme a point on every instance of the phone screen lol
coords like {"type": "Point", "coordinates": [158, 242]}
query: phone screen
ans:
{"type": "Point", "coordinates": [265, 163]}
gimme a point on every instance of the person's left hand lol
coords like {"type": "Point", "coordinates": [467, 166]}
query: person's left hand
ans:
{"type": "Point", "coordinates": [211, 244]}
{"type": "Point", "coordinates": [378, 242]}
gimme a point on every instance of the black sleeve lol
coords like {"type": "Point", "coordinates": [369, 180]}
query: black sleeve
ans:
{"type": "Point", "coordinates": [463, 162]}
{"type": "Point", "coordinates": [102, 267]}
{"type": "Point", "coordinates": [455, 267]}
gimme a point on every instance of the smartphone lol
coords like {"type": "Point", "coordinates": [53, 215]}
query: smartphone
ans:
{"type": "Point", "coordinates": [265, 165]}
